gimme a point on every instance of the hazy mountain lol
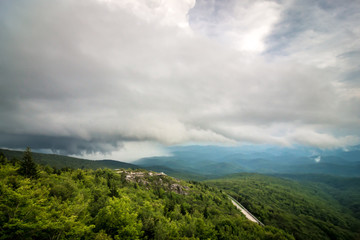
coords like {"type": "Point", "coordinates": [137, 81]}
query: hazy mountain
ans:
{"type": "Point", "coordinates": [217, 160]}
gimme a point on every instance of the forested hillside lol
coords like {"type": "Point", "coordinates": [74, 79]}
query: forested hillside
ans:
{"type": "Point", "coordinates": [314, 207]}
{"type": "Point", "coordinates": [60, 161]}
{"type": "Point", "coordinates": [344, 190]}
{"type": "Point", "coordinates": [38, 202]}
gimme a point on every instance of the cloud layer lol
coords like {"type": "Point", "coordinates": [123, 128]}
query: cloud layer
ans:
{"type": "Point", "coordinates": [89, 76]}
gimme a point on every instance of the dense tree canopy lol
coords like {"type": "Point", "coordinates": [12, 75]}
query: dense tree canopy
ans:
{"type": "Point", "coordinates": [308, 210]}
{"type": "Point", "coordinates": [103, 204]}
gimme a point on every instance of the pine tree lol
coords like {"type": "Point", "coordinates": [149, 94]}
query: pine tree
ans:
{"type": "Point", "coordinates": [27, 165]}
{"type": "Point", "coordinates": [3, 159]}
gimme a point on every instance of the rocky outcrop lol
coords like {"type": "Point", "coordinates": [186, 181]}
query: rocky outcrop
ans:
{"type": "Point", "coordinates": [154, 178]}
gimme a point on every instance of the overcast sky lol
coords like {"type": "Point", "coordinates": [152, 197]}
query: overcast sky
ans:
{"type": "Point", "coordinates": [123, 79]}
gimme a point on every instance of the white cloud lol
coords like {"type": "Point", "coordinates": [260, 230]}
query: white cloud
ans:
{"type": "Point", "coordinates": [322, 140]}
{"type": "Point", "coordinates": [242, 25]}
{"type": "Point", "coordinates": [130, 151]}
{"type": "Point", "coordinates": [169, 12]}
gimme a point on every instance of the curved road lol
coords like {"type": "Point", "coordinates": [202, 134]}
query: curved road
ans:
{"type": "Point", "coordinates": [247, 214]}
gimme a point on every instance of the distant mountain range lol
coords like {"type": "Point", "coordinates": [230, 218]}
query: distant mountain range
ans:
{"type": "Point", "coordinates": [206, 162]}
{"type": "Point", "coordinates": [213, 161]}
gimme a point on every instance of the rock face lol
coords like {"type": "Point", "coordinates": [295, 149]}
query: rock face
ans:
{"type": "Point", "coordinates": [153, 178]}
{"type": "Point", "coordinates": [179, 189]}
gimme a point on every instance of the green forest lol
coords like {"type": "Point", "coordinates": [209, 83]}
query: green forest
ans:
{"type": "Point", "coordinates": [89, 201]}
{"type": "Point", "coordinates": [308, 206]}
{"type": "Point", "coordinates": [41, 202]}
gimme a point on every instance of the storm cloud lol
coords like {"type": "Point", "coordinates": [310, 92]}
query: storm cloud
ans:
{"type": "Point", "coordinates": [81, 77]}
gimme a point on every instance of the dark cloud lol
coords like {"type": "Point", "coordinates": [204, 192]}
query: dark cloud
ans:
{"type": "Point", "coordinates": [60, 145]}
{"type": "Point", "coordinates": [91, 76]}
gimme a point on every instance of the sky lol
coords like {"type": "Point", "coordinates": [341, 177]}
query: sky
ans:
{"type": "Point", "coordinates": [125, 79]}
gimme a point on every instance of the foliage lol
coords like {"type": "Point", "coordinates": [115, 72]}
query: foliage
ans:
{"type": "Point", "coordinates": [102, 204]}
{"type": "Point", "coordinates": [119, 219]}
{"type": "Point", "coordinates": [344, 190]}
{"type": "Point", "coordinates": [308, 210]}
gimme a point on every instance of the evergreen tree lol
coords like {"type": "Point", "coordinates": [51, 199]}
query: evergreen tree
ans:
{"type": "Point", "coordinates": [3, 159]}
{"type": "Point", "coordinates": [27, 165]}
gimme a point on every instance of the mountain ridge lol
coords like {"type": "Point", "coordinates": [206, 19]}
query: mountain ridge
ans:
{"type": "Point", "coordinates": [61, 161]}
